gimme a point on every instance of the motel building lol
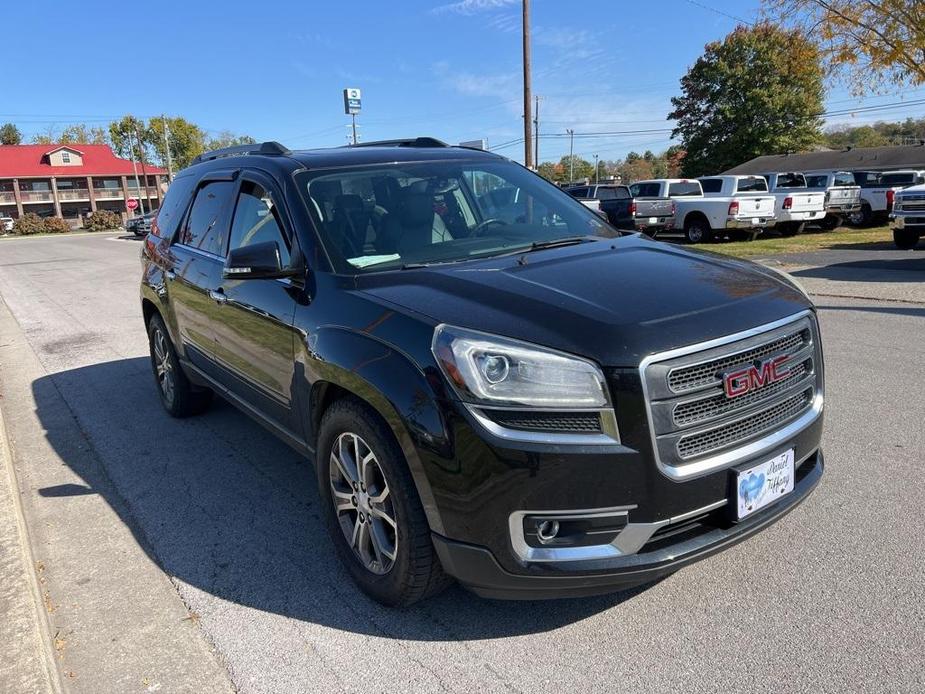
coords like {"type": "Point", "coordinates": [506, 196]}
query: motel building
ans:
{"type": "Point", "coordinates": [70, 181]}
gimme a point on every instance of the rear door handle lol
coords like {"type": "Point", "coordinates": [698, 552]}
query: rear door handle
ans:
{"type": "Point", "coordinates": [218, 295]}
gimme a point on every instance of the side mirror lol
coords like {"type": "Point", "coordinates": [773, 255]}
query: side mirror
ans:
{"type": "Point", "coordinates": [258, 261]}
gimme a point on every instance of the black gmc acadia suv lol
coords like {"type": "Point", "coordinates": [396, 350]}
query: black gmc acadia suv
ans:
{"type": "Point", "coordinates": [495, 385]}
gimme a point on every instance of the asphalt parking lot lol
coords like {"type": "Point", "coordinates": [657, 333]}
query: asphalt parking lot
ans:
{"type": "Point", "coordinates": [190, 554]}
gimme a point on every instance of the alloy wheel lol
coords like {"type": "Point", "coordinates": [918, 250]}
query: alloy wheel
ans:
{"type": "Point", "coordinates": [163, 367]}
{"type": "Point", "coordinates": [363, 504]}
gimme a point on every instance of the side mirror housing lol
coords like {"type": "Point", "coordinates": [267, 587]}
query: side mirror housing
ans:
{"type": "Point", "coordinates": [257, 261]}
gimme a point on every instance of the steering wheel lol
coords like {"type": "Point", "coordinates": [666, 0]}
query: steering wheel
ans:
{"type": "Point", "coordinates": [480, 227]}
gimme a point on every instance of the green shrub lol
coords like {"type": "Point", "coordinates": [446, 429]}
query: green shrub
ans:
{"type": "Point", "coordinates": [55, 225]}
{"type": "Point", "coordinates": [102, 220]}
{"type": "Point", "coordinates": [29, 223]}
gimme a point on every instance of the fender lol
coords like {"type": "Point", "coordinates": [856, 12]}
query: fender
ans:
{"type": "Point", "coordinates": [403, 393]}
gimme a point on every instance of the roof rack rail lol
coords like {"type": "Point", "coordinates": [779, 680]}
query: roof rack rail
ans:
{"type": "Point", "coordinates": [407, 142]}
{"type": "Point", "coordinates": [268, 148]}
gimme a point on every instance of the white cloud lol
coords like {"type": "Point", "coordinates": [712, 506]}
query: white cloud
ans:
{"type": "Point", "coordinates": [468, 7]}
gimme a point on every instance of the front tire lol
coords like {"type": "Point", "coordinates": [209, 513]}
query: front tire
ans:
{"type": "Point", "coordinates": [906, 239]}
{"type": "Point", "coordinates": [372, 509]}
{"type": "Point", "coordinates": [178, 396]}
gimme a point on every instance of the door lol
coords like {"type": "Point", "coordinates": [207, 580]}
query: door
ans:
{"type": "Point", "coordinates": [197, 265]}
{"type": "Point", "coordinates": [253, 330]}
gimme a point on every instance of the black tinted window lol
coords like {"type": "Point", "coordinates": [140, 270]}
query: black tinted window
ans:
{"type": "Point", "coordinates": [753, 184]}
{"type": "Point", "coordinates": [257, 220]}
{"type": "Point", "coordinates": [791, 180]}
{"type": "Point", "coordinates": [604, 193]}
{"type": "Point", "coordinates": [897, 179]}
{"type": "Point", "coordinates": [645, 190]}
{"type": "Point", "coordinates": [684, 188]}
{"type": "Point", "coordinates": [174, 207]}
{"type": "Point", "coordinates": [580, 193]}
{"type": "Point", "coordinates": [711, 185]}
{"type": "Point", "coordinates": [204, 224]}
{"type": "Point", "coordinates": [817, 181]}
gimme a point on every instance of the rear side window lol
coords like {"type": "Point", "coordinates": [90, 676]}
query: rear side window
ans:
{"type": "Point", "coordinates": [174, 207]}
{"type": "Point", "coordinates": [684, 188]}
{"type": "Point", "coordinates": [843, 178]}
{"type": "Point", "coordinates": [897, 179]}
{"type": "Point", "coordinates": [204, 228]}
{"type": "Point", "coordinates": [257, 220]}
{"type": "Point", "coordinates": [754, 184]}
{"type": "Point", "coordinates": [711, 185]}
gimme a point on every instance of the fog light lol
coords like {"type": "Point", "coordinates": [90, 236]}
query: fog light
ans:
{"type": "Point", "coordinates": [547, 530]}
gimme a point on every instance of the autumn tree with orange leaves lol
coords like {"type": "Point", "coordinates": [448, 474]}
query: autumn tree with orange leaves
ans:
{"type": "Point", "coordinates": [873, 44]}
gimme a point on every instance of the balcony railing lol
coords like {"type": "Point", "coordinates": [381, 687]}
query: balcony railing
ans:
{"type": "Point", "coordinates": [7, 198]}
{"type": "Point", "coordinates": [36, 196]}
{"type": "Point", "coordinates": [134, 192]}
{"type": "Point", "coordinates": [107, 193]}
{"type": "Point", "coordinates": [74, 194]}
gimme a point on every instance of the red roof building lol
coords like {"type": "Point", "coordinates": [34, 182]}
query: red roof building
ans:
{"type": "Point", "coordinates": [72, 180]}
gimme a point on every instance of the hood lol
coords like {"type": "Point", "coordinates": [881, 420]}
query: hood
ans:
{"type": "Point", "coordinates": [613, 300]}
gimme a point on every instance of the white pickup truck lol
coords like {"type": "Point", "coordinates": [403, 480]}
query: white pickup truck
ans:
{"type": "Point", "coordinates": [795, 203]}
{"type": "Point", "coordinates": [704, 217]}
{"type": "Point", "coordinates": [878, 191]}
{"type": "Point", "coordinates": [908, 217]}
{"type": "Point", "coordinates": [842, 195]}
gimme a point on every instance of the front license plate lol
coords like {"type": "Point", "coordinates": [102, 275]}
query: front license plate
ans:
{"type": "Point", "coordinates": [653, 220]}
{"type": "Point", "coordinates": [763, 484]}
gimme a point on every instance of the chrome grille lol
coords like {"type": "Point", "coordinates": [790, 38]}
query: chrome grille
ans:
{"type": "Point", "coordinates": [707, 441]}
{"type": "Point", "coordinates": [694, 423]}
{"type": "Point", "coordinates": [689, 378]}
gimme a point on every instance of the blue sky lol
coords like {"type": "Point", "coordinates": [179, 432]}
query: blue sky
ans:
{"type": "Point", "coordinates": [445, 68]}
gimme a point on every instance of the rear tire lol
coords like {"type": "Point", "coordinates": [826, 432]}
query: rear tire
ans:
{"type": "Point", "coordinates": [178, 396]}
{"type": "Point", "coordinates": [862, 217]}
{"type": "Point", "coordinates": [697, 231]}
{"type": "Point", "coordinates": [831, 222]}
{"type": "Point", "coordinates": [790, 228]}
{"type": "Point", "coordinates": [906, 239]}
{"type": "Point", "coordinates": [392, 561]}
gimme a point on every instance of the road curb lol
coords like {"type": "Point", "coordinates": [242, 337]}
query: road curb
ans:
{"type": "Point", "coordinates": [43, 627]}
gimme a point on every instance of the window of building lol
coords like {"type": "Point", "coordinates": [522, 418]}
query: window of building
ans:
{"type": "Point", "coordinates": [256, 220]}
{"type": "Point", "coordinates": [65, 157]}
{"type": "Point", "coordinates": [205, 224]}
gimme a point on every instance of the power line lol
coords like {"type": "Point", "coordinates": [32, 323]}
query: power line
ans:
{"type": "Point", "coordinates": [716, 11]}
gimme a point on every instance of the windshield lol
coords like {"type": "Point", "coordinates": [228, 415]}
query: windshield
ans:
{"type": "Point", "coordinates": [389, 216]}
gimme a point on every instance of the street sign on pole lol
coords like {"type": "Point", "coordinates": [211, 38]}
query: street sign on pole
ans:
{"type": "Point", "coordinates": [352, 103]}
{"type": "Point", "coordinates": [131, 203]}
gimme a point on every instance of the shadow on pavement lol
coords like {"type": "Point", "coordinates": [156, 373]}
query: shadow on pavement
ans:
{"type": "Point", "coordinates": [870, 270]}
{"type": "Point", "coordinates": [225, 507]}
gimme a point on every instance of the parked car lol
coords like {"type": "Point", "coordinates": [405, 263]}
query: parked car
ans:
{"type": "Point", "coordinates": [878, 190]}
{"type": "Point", "coordinates": [141, 224]}
{"type": "Point", "coordinates": [795, 205]}
{"type": "Point", "coordinates": [908, 216]}
{"type": "Point", "coordinates": [539, 407]}
{"type": "Point", "coordinates": [6, 224]}
{"type": "Point", "coordinates": [703, 218]}
{"type": "Point", "coordinates": [621, 208]}
{"type": "Point", "coordinates": [842, 195]}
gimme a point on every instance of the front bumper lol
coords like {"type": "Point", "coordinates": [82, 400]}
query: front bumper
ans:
{"type": "Point", "coordinates": [903, 221]}
{"type": "Point", "coordinates": [477, 568]}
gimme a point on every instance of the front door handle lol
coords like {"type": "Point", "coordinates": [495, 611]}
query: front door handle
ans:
{"type": "Point", "coordinates": [218, 295]}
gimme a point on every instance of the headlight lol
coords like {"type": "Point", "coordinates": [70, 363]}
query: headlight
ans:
{"type": "Point", "coordinates": [488, 369]}
{"type": "Point", "coordinates": [897, 204]}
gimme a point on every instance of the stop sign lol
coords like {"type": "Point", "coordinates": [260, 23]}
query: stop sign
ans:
{"type": "Point", "coordinates": [131, 203]}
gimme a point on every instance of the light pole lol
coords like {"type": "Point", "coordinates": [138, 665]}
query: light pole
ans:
{"type": "Point", "coordinates": [571, 155]}
{"type": "Point", "coordinates": [595, 169]}
{"type": "Point", "coordinates": [528, 117]}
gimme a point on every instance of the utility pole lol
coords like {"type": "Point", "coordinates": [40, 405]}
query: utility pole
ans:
{"type": "Point", "coordinates": [144, 170]}
{"type": "Point", "coordinates": [353, 117]}
{"type": "Point", "coordinates": [131, 145]}
{"type": "Point", "coordinates": [536, 124]}
{"type": "Point", "coordinates": [528, 118]}
{"type": "Point", "coordinates": [595, 169]}
{"type": "Point", "coordinates": [571, 155]}
{"type": "Point", "coordinates": [167, 149]}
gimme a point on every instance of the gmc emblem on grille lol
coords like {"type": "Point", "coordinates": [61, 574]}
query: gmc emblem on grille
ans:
{"type": "Point", "coordinates": [750, 378]}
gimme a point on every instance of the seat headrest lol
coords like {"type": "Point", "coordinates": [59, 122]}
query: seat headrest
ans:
{"type": "Point", "coordinates": [348, 203]}
{"type": "Point", "coordinates": [417, 209]}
